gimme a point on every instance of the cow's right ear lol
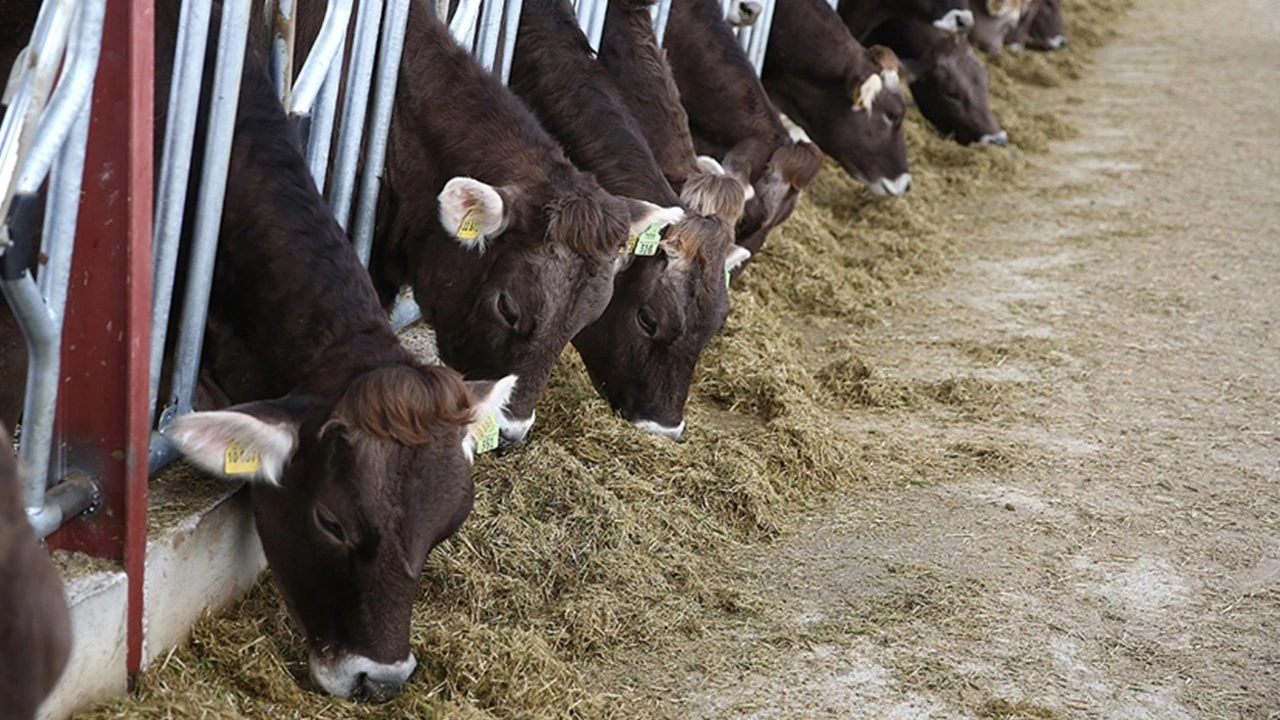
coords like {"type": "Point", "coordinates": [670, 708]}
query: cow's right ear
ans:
{"type": "Point", "coordinates": [472, 212]}
{"type": "Point", "coordinates": [252, 441]}
{"type": "Point", "coordinates": [491, 397]}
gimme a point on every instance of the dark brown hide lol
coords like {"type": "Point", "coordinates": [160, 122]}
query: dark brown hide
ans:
{"type": "Point", "coordinates": [947, 80]}
{"type": "Point", "coordinates": [375, 475]}
{"type": "Point", "coordinates": [513, 306]}
{"type": "Point", "coordinates": [813, 72]}
{"type": "Point", "coordinates": [35, 627]}
{"type": "Point", "coordinates": [732, 120]}
{"type": "Point", "coordinates": [862, 16]}
{"type": "Point", "coordinates": [665, 309]}
{"type": "Point", "coordinates": [1040, 28]}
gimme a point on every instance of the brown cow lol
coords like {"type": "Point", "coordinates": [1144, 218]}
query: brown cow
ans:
{"type": "Point", "coordinates": [1040, 27]}
{"type": "Point", "coordinates": [360, 452]}
{"type": "Point", "coordinates": [845, 96]}
{"type": "Point", "coordinates": [35, 627]}
{"type": "Point", "coordinates": [517, 254]}
{"type": "Point", "coordinates": [947, 80]}
{"type": "Point", "coordinates": [669, 300]}
{"type": "Point", "coordinates": [732, 120]}
{"type": "Point", "coordinates": [862, 16]}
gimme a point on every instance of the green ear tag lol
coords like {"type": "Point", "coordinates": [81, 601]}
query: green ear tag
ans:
{"type": "Point", "coordinates": [240, 460]}
{"type": "Point", "coordinates": [647, 243]}
{"type": "Point", "coordinates": [470, 227]}
{"type": "Point", "coordinates": [485, 434]}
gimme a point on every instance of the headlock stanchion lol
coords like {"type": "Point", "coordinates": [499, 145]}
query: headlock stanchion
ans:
{"type": "Point", "coordinates": [755, 37]}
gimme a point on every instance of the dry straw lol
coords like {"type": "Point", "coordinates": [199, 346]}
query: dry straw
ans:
{"type": "Point", "coordinates": [595, 537]}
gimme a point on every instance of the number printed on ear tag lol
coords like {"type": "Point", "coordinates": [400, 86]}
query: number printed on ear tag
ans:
{"type": "Point", "coordinates": [647, 243]}
{"type": "Point", "coordinates": [485, 434]}
{"type": "Point", "coordinates": [470, 227]}
{"type": "Point", "coordinates": [240, 460]}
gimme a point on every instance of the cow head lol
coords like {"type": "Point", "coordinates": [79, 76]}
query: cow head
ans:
{"type": "Point", "coordinates": [950, 86]}
{"type": "Point", "coordinates": [853, 109]}
{"type": "Point", "coordinates": [992, 21]}
{"type": "Point", "coordinates": [742, 13]}
{"type": "Point", "coordinates": [776, 190]}
{"type": "Point", "coordinates": [953, 16]}
{"type": "Point", "coordinates": [666, 307]}
{"type": "Point", "coordinates": [349, 497]}
{"type": "Point", "coordinates": [522, 271]}
{"type": "Point", "coordinates": [1046, 31]}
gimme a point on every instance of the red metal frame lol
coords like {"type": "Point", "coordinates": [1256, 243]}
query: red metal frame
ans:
{"type": "Point", "coordinates": [102, 424]}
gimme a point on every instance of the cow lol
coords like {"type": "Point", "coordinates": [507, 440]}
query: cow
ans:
{"type": "Point", "coordinates": [947, 80]}
{"type": "Point", "coordinates": [1040, 27]}
{"type": "Point", "coordinates": [732, 120]}
{"type": "Point", "coordinates": [35, 626]}
{"type": "Point", "coordinates": [993, 20]}
{"type": "Point", "coordinates": [861, 16]}
{"type": "Point", "coordinates": [670, 296]}
{"type": "Point", "coordinates": [518, 253]}
{"type": "Point", "coordinates": [845, 96]}
{"type": "Point", "coordinates": [357, 454]}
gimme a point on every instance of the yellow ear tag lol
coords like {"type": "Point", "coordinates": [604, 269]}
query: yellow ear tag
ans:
{"type": "Point", "coordinates": [470, 227]}
{"type": "Point", "coordinates": [485, 434]}
{"type": "Point", "coordinates": [647, 243]}
{"type": "Point", "coordinates": [240, 460]}
{"type": "Point", "coordinates": [630, 246]}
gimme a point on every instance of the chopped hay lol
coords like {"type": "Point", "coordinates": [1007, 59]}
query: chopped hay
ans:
{"type": "Point", "coordinates": [595, 537]}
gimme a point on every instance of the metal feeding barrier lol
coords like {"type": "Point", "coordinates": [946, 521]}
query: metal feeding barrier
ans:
{"type": "Point", "coordinates": [754, 38]}
{"type": "Point", "coordinates": [43, 136]}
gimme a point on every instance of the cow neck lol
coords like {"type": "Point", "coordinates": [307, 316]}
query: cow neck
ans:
{"type": "Point", "coordinates": [574, 98]}
{"type": "Point", "coordinates": [863, 16]}
{"type": "Point", "coordinates": [809, 35]}
{"type": "Point", "coordinates": [287, 280]}
{"type": "Point", "coordinates": [629, 52]}
{"type": "Point", "coordinates": [726, 103]}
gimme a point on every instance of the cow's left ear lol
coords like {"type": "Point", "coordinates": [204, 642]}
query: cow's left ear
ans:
{"type": "Point", "coordinates": [472, 211]}
{"type": "Point", "coordinates": [737, 255]}
{"type": "Point", "coordinates": [644, 214]}
{"type": "Point", "coordinates": [491, 398]}
{"type": "Point", "coordinates": [252, 441]}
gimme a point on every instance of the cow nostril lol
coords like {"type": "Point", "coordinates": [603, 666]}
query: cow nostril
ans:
{"type": "Point", "coordinates": [379, 691]}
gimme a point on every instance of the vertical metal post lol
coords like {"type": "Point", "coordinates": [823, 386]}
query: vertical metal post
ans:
{"type": "Point", "coordinates": [283, 16]}
{"type": "Point", "coordinates": [323, 114]}
{"type": "Point", "coordinates": [661, 14]}
{"type": "Point", "coordinates": [171, 193]}
{"type": "Point", "coordinates": [511, 29]}
{"type": "Point", "coordinates": [232, 39]}
{"type": "Point", "coordinates": [354, 106]}
{"type": "Point", "coordinates": [393, 28]}
{"type": "Point", "coordinates": [490, 28]}
{"type": "Point", "coordinates": [102, 414]}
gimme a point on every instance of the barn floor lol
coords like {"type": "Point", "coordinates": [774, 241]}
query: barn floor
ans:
{"type": "Point", "coordinates": [1007, 449]}
{"type": "Point", "coordinates": [1113, 550]}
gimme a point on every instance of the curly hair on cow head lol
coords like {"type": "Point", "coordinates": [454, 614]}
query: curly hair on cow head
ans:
{"type": "Point", "coordinates": [589, 223]}
{"type": "Point", "coordinates": [406, 404]}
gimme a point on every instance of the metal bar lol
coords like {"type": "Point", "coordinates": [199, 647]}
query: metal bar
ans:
{"type": "Point", "coordinates": [511, 29]}
{"type": "Point", "coordinates": [404, 313]}
{"type": "Point", "coordinates": [393, 29]}
{"type": "Point", "coordinates": [175, 172]}
{"type": "Point", "coordinates": [597, 24]}
{"type": "Point", "coordinates": [40, 328]}
{"type": "Point", "coordinates": [76, 494]}
{"type": "Point", "coordinates": [324, 112]}
{"type": "Point", "coordinates": [326, 52]}
{"type": "Point", "coordinates": [463, 25]}
{"type": "Point", "coordinates": [662, 13]}
{"type": "Point", "coordinates": [213, 184]}
{"type": "Point", "coordinates": [283, 16]}
{"type": "Point", "coordinates": [760, 40]}
{"type": "Point", "coordinates": [354, 107]}
{"type": "Point", "coordinates": [490, 27]}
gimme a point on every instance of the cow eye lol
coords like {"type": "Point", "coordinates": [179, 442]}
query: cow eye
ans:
{"type": "Point", "coordinates": [507, 309]}
{"type": "Point", "coordinates": [647, 321]}
{"type": "Point", "coordinates": [331, 526]}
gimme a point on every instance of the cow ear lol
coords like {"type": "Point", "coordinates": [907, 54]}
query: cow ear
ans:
{"type": "Point", "coordinates": [644, 214]}
{"type": "Point", "coordinates": [253, 441]}
{"type": "Point", "coordinates": [472, 212]}
{"type": "Point", "coordinates": [865, 96]}
{"type": "Point", "coordinates": [737, 255]}
{"type": "Point", "coordinates": [491, 398]}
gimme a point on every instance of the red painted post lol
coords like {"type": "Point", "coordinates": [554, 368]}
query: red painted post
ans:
{"type": "Point", "coordinates": [102, 419]}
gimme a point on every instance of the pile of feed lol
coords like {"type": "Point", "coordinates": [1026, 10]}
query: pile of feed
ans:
{"type": "Point", "coordinates": [595, 537]}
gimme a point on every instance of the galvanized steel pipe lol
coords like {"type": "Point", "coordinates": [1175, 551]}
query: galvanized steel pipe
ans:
{"type": "Point", "coordinates": [512, 28]}
{"type": "Point", "coordinates": [354, 107]}
{"type": "Point", "coordinates": [325, 52]}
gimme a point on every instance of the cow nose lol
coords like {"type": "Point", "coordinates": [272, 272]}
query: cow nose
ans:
{"type": "Point", "coordinates": [898, 186]}
{"type": "Point", "coordinates": [512, 431]}
{"type": "Point", "coordinates": [1000, 139]}
{"type": "Point", "coordinates": [1057, 42]}
{"type": "Point", "coordinates": [749, 10]}
{"type": "Point", "coordinates": [380, 691]}
{"type": "Point", "coordinates": [666, 431]}
{"type": "Point", "coordinates": [955, 21]}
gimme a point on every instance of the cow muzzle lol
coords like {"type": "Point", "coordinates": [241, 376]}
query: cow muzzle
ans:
{"type": "Point", "coordinates": [1057, 42]}
{"type": "Point", "coordinates": [744, 12]}
{"type": "Point", "coordinates": [897, 187]}
{"type": "Point", "coordinates": [955, 21]}
{"type": "Point", "coordinates": [512, 431]}
{"type": "Point", "coordinates": [668, 432]}
{"type": "Point", "coordinates": [1000, 139]}
{"type": "Point", "coordinates": [346, 675]}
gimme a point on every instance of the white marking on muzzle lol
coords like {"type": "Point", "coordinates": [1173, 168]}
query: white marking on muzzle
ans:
{"type": "Point", "coordinates": [670, 433]}
{"type": "Point", "coordinates": [1057, 42]}
{"type": "Point", "coordinates": [512, 430]}
{"type": "Point", "coordinates": [898, 186]}
{"type": "Point", "coordinates": [342, 675]}
{"type": "Point", "coordinates": [955, 21]}
{"type": "Point", "coordinates": [999, 139]}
